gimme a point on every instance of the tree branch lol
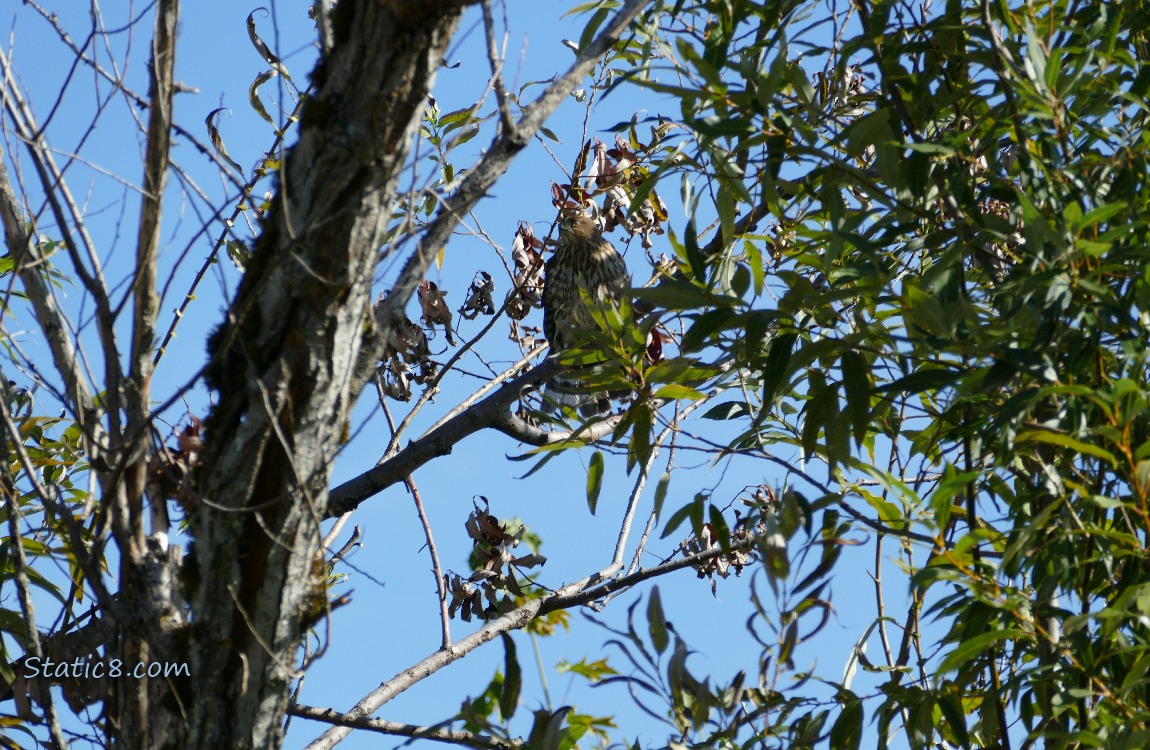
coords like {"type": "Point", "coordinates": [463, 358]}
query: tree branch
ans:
{"type": "Point", "coordinates": [438, 734]}
{"type": "Point", "coordinates": [146, 302]}
{"type": "Point", "coordinates": [581, 592]}
{"type": "Point", "coordinates": [493, 411]}
{"type": "Point", "coordinates": [131, 96]}
{"type": "Point", "coordinates": [30, 265]}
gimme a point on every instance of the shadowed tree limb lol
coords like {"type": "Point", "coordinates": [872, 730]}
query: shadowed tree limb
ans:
{"type": "Point", "coordinates": [492, 412]}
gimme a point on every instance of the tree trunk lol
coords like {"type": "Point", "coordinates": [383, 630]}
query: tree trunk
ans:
{"type": "Point", "coordinates": [284, 366]}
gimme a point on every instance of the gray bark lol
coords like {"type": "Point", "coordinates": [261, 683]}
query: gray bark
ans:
{"type": "Point", "coordinates": [284, 365]}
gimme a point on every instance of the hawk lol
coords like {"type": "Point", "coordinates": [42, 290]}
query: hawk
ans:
{"type": "Point", "coordinates": [584, 263]}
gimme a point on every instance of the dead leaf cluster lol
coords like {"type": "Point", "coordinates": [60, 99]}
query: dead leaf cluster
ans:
{"type": "Point", "coordinates": [478, 595]}
{"type": "Point", "coordinates": [615, 176]}
{"type": "Point", "coordinates": [748, 538]}
{"type": "Point", "coordinates": [406, 358]}
{"type": "Point", "coordinates": [527, 289]}
{"type": "Point", "coordinates": [434, 307]}
{"type": "Point", "coordinates": [479, 297]}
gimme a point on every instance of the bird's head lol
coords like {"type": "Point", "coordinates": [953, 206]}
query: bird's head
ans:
{"type": "Point", "coordinates": [579, 225]}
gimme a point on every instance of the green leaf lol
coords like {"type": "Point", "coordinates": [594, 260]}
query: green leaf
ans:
{"type": "Point", "coordinates": [661, 492]}
{"type": "Point", "coordinates": [725, 205]}
{"type": "Point", "coordinates": [693, 508]}
{"type": "Point", "coordinates": [569, 738]}
{"type": "Point", "coordinates": [939, 149]}
{"type": "Point", "coordinates": [950, 702]}
{"type": "Point", "coordinates": [975, 646]}
{"type": "Point", "coordinates": [680, 370]}
{"type": "Point", "coordinates": [756, 264]}
{"type": "Point", "coordinates": [846, 732]}
{"type": "Point", "coordinates": [694, 253]}
{"type": "Point", "coordinates": [594, 480]}
{"type": "Point", "coordinates": [639, 449]}
{"type": "Point", "coordinates": [888, 513]}
{"type": "Point", "coordinates": [1034, 62]}
{"type": "Point", "coordinates": [592, 26]}
{"type": "Point", "coordinates": [1065, 441]}
{"type": "Point", "coordinates": [686, 193]}
{"type": "Point", "coordinates": [856, 383]}
{"type": "Point", "coordinates": [674, 391]}
{"type": "Point", "coordinates": [656, 621]}
{"type": "Point", "coordinates": [1099, 215]}
{"type": "Point", "coordinates": [547, 731]}
{"type": "Point", "coordinates": [550, 451]}
{"type": "Point", "coordinates": [719, 528]}
{"type": "Point", "coordinates": [465, 135]}
{"type": "Point", "coordinates": [512, 681]}
{"type": "Point", "coordinates": [682, 295]}
{"type": "Point", "coordinates": [586, 7]}
{"type": "Point", "coordinates": [821, 404]}
{"type": "Point", "coordinates": [727, 410]}
{"type": "Point", "coordinates": [923, 380]}
{"type": "Point", "coordinates": [594, 671]}
{"type": "Point", "coordinates": [775, 368]}
{"type": "Point", "coordinates": [458, 118]}
{"type": "Point", "coordinates": [868, 130]}
{"type": "Point", "coordinates": [705, 327]}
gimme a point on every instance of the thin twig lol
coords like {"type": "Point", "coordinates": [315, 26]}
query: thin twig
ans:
{"type": "Point", "coordinates": [137, 100]}
{"type": "Point", "coordinates": [440, 585]}
{"type": "Point", "coordinates": [646, 535]}
{"type": "Point", "coordinates": [63, 205]}
{"type": "Point", "coordinates": [245, 197]}
{"type": "Point", "coordinates": [496, 58]}
{"type": "Point", "coordinates": [51, 319]}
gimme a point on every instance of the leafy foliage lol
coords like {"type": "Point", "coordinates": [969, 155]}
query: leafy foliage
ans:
{"type": "Point", "coordinates": [911, 277]}
{"type": "Point", "coordinates": [954, 325]}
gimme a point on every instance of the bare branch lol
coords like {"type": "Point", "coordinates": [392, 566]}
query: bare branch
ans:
{"type": "Point", "coordinates": [581, 592]}
{"type": "Point", "coordinates": [438, 734]}
{"type": "Point", "coordinates": [67, 214]}
{"type": "Point", "coordinates": [436, 568]}
{"type": "Point", "coordinates": [484, 389]}
{"type": "Point", "coordinates": [492, 411]}
{"type": "Point", "coordinates": [53, 323]}
{"type": "Point", "coordinates": [239, 208]}
{"type": "Point", "coordinates": [133, 98]}
{"type": "Point", "coordinates": [641, 481]}
{"type": "Point", "coordinates": [146, 301]}
{"type": "Point", "coordinates": [495, 57]}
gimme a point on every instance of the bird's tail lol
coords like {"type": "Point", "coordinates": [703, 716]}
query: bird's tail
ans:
{"type": "Point", "coordinates": [561, 394]}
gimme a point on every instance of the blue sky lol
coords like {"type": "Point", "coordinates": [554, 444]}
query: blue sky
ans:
{"type": "Point", "coordinates": [388, 628]}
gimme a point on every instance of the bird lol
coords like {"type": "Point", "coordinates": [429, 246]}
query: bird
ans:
{"type": "Point", "coordinates": [584, 264]}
